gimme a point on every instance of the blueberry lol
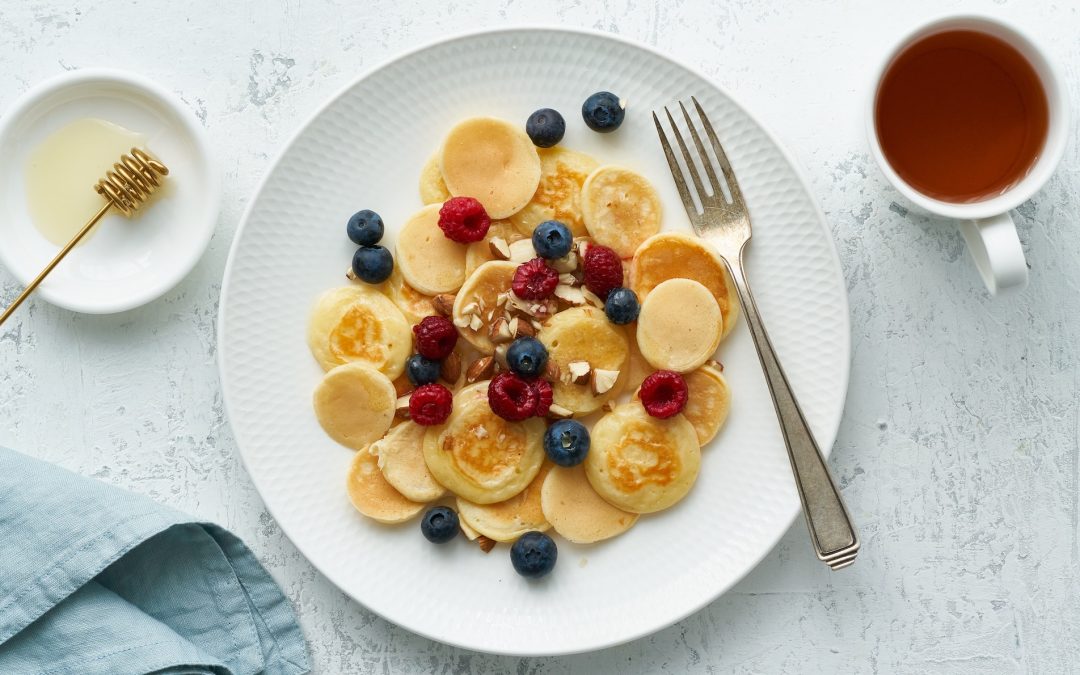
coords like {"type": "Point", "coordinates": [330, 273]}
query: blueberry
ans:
{"type": "Point", "coordinates": [422, 370]}
{"type": "Point", "coordinates": [439, 524]}
{"type": "Point", "coordinates": [527, 357]}
{"type": "Point", "coordinates": [622, 306]}
{"type": "Point", "coordinates": [545, 127]}
{"type": "Point", "coordinates": [373, 264]}
{"type": "Point", "coordinates": [551, 239]}
{"type": "Point", "coordinates": [566, 442]}
{"type": "Point", "coordinates": [603, 112]}
{"type": "Point", "coordinates": [534, 554]}
{"type": "Point", "coordinates": [365, 228]}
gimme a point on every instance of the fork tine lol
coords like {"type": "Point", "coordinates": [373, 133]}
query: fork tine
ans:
{"type": "Point", "coordinates": [677, 175]}
{"type": "Point", "coordinates": [701, 151]}
{"type": "Point", "coordinates": [691, 168]}
{"type": "Point", "coordinates": [721, 157]}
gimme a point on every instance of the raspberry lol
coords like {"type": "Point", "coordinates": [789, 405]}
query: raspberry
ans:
{"type": "Point", "coordinates": [534, 280]}
{"type": "Point", "coordinates": [430, 404]}
{"type": "Point", "coordinates": [664, 394]}
{"type": "Point", "coordinates": [511, 397]}
{"type": "Point", "coordinates": [544, 395]}
{"type": "Point", "coordinates": [603, 270]}
{"type": "Point", "coordinates": [464, 220]}
{"type": "Point", "coordinates": [435, 337]}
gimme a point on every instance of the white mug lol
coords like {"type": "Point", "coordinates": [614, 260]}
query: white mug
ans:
{"type": "Point", "coordinates": [987, 227]}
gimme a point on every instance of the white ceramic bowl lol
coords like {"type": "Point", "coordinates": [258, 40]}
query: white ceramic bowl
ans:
{"type": "Point", "coordinates": [126, 263]}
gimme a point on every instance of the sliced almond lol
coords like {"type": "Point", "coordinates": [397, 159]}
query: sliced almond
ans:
{"type": "Point", "coordinates": [558, 412]}
{"type": "Point", "coordinates": [501, 298]}
{"type": "Point", "coordinates": [523, 329]}
{"type": "Point", "coordinates": [552, 372]}
{"type": "Point", "coordinates": [471, 308]}
{"type": "Point", "coordinates": [464, 320]}
{"type": "Point", "coordinates": [521, 251]}
{"type": "Point", "coordinates": [512, 326]}
{"type": "Point", "coordinates": [500, 250]}
{"type": "Point", "coordinates": [592, 298]}
{"type": "Point", "coordinates": [569, 279]}
{"type": "Point", "coordinates": [350, 275]}
{"type": "Point", "coordinates": [485, 543]}
{"type": "Point", "coordinates": [499, 331]}
{"type": "Point", "coordinates": [450, 370]}
{"type": "Point", "coordinates": [570, 294]}
{"type": "Point", "coordinates": [401, 408]}
{"type": "Point", "coordinates": [481, 369]}
{"type": "Point", "coordinates": [475, 323]}
{"type": "Point", "coordinates": [579, 371]}
{"type": "Point", "coordinates": [715, 364]}
{"type": "Point", "coordinates": [536, 324]}
{"type": "Point", "coordinates": [603, 380]}
{"type": "Point", "coordinates": [500, 355]}
{"type": "Point", "coordinates": [443, 304]}
{"type": "Point", "coordinates": [567, 263]}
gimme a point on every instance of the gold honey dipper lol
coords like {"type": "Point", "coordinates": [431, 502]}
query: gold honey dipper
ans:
{"type": "Point", "coordinates": [127, 186]}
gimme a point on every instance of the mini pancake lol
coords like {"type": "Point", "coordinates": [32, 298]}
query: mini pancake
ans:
{"type": "Point", "coordinates": [620, 208]}
{"type": "Point", "coordinates": [679, 326]}
{"type": "Point", "coordinates": [673, 255]}
{"type": "Point", "coordinates": [480, 456]}
{"type": "Point", "coordinates": [430, 262]}
{"type": "Point", "coordinates": [355, 404]}
{"type": "Point", "coordinates": [507, 520]}
{"type": "Point", "coordinates": [558, 197]}
{"type": "Point", "coordinates": [373, 496]}
{"type": "Point", "coordinates": [482, 290]}
{"type": "Point", "coordinates": [575, 510]}
{"type": "Point", "coordinates": [585, 334]}
{"type": "Point", "coordinates": [413, 304]}
{"type": "Point", "coordinates": [401, 458]}
{"type": "Point", "coordinates": [357, 324]}
{"type": "Point", "coordinates": [432, 186]}
{"type": "Point", "coordinates": [640, 463]}
{"type": "Point", "coordinates": [708, 402]}
{"type": "Point", "coordinates": [492, 161]}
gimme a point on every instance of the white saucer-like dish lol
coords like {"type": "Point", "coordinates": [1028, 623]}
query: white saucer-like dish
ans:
{"type": "Point", "coordinates": [126, 263]}
{"type": "Point", "coordinates": [365, 149]}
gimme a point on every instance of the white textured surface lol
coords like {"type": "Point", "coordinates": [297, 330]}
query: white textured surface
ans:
{"type": "Point", "coordinates": [291, 249]}
{"type": "Point", "coordinates": [958, 453]}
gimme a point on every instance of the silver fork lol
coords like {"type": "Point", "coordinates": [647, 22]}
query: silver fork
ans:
{"type": "Point", "coordinates": [726, 224]}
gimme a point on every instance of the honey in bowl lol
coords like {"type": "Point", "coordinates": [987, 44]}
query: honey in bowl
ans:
{"type": "Point", "coordinates": [961, 116]}
{"type": "Point", "coordinates": [61, 172]}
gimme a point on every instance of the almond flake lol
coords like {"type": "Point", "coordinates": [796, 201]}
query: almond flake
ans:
{"type": "Point", "coordinates": [476, 323]}
{"type": "Point", "coordinates": [462, 321]}
{"type": "Point", "coordinates": [486, 544]}
{"type": "Point", "coordinates": [558, 412]}
{"type": "Point", "coordinates": [567, 263]}
{"type": "Point", "coordinates": [500, 250]}
{"type": "Point", "coordinates": [480, 369]}
{"type": "Point", "coordinates": [579, 371]}
{"type": "Point", "coordinates": [522, 251]}
{"type": "Point", "coordinates": [592, 298]}
{"type": "Point", "coordinates": [350, 275]}
{"type": "Point", "coordinates": [568, 279]}
{"type": "Point", "coordinates": [401, 408]}
{"type": "Point", "coordinates": [512, 326]}
{"type": "Point", "coordinates": [570, 294]}
{"type": "Point", "coordinates": [603, 380]}
{"type": "Point", "coordinates": [471, 308]}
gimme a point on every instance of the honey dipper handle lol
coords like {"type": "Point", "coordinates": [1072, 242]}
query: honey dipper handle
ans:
{"type": "Point", "coordinates": [55, 261]}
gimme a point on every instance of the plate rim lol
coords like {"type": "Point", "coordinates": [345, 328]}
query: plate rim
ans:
{"type": "Point", "coordinates": [832, 428]}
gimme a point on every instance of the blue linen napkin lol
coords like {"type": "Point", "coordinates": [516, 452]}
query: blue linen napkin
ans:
{"type": "Point", "coordinates": [94, 579]}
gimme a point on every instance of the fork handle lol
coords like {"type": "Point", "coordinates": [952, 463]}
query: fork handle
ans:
{"type": "Point", "coordinates": [827, 518]}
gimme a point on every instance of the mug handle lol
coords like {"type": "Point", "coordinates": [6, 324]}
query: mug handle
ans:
{"type": "Point", "coordinates": [995, 247]}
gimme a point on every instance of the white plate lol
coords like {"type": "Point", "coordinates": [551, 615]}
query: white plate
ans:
{"type": "Point", "coordinates": [364, 149]}
{"type": "Point", "coordinates": [127, 262]}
